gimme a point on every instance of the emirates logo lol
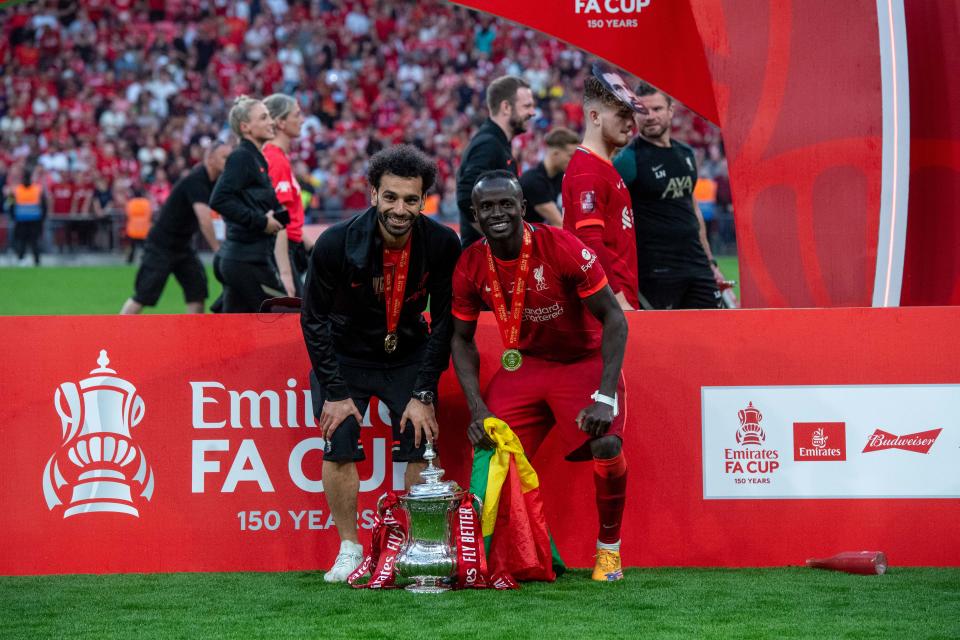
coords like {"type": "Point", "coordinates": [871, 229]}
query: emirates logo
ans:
{"type": "Point", "coordinates": [97, 463]}
{"type": "Point", "coordinates": [750, 433]}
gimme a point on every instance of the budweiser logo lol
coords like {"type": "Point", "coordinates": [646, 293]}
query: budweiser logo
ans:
{"type": "Point", "coordinates": [919, 442]}
{"type": "Point", "coordinates": [819, 441]}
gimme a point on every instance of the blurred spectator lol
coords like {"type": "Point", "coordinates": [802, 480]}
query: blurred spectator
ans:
{"type": "Point", "coordinates": [542, 185]}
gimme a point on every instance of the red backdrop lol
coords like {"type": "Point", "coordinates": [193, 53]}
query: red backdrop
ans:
{"type": "Point", "coordinates": [191, 526]}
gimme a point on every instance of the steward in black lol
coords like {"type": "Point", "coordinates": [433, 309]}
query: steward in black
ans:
{"type": "Point", "coordinates": [344, 311]}
{"type": "Point", "coordinates": [489, 149]}
{"type": "Point", "coordinates": [168, 248]}
{"type": "Point", "coordinates": [177, 221]}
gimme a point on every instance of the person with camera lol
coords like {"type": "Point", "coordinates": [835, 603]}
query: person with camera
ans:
{"type": "Point", "coordinates": [245, 198]}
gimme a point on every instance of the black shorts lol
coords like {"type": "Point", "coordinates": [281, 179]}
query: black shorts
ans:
{"type": "Point", "coordinates": [394, 387]}
{"type": "Point", "coordinates": [681, 293]}
{"type": "Point", "coordinates": [157, 266]}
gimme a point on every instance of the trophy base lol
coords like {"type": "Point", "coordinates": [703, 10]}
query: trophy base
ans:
{"type": "Point", "coordinates": [427, 585]}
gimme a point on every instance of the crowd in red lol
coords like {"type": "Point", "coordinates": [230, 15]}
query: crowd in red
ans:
{"type": "Point", "coordinates": [114, 99]}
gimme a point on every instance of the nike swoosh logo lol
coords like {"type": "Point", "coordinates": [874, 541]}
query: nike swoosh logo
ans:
{"type": "Point", "coordinates": [658, 167]}
{"type": "Point", "coordinates": [356, 284]}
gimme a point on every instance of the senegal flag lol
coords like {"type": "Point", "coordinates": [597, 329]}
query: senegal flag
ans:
{"type": "Point", "coordinates": [514, 528]}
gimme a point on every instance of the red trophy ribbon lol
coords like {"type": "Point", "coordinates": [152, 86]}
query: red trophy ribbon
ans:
{"type": "Point", "coordinates": [509, 323]}
{"type": "Point", "coordinates": [863, 562]}
{"type": "Point", "coordinates": [471, 560]}
{"type": "Point", "coordinates": [389, 534]}
{"type": "Point", "coordinates": [394, 287]}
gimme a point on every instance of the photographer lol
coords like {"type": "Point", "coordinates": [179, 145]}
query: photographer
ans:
{"type": "Point", "coordinates": [245, 198]}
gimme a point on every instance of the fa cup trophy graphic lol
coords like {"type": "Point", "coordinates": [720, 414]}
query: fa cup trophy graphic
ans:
{"type": "Point", "coordinates": [103, 468]}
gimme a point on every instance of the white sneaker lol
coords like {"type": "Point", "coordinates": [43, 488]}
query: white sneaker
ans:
{"type": "Point", "coordinates": [349, 558]}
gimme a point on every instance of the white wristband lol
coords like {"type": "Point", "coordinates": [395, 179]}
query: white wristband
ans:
{"type": "Point", "coordinates": [607, 400]}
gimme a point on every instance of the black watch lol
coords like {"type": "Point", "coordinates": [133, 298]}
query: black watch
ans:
{"type": "Point", "coordinates": [426, 397]}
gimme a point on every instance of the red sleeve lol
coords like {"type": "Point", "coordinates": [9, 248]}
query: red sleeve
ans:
{"type": "Point", "coordinates": [579, 263]}
{"type": "Point", "coordinates": [584, 200]}
{"type": "Point", "coordinates": [593, 238]}
{"type": "Point", "coordinates": [281, 176]}
{"type": "Point", "coordinates": [467, 303]}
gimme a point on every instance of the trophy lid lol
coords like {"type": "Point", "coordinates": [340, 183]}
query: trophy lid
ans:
{"type": "Point", "coordinates": [431, 485]}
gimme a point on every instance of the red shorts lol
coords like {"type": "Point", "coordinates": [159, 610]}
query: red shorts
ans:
{"type": "Point", "coordinates": [544, 393]}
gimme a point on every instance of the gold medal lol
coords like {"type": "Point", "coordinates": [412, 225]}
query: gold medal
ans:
{"type": "Point", "coordinates": [511, 360]}
{"type": "Point", "coordinates": [390, 343]}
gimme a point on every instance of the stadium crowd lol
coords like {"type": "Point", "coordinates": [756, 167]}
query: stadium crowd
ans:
{"type": "Point", "coordinates": [111, 101]}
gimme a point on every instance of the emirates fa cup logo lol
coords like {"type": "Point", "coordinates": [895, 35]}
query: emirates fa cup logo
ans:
{"type": "Point", "coordinates": [750, 432]}
{"type": "Point", "coordinates": [97, 460]}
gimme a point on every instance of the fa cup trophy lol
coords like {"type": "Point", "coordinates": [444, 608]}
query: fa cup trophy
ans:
{"type": "Point", "coordinates": [428, 558]}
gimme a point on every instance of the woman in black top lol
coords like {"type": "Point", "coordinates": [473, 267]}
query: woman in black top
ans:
{"type": "Point", "coordinates": [245, 198]}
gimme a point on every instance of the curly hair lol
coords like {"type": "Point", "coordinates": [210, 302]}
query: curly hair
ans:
{"type": "Point", "coordinates": [404, 161]}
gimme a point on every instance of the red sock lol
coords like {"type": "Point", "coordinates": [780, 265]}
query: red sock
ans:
{"type": "Point", "coordinates": [610, 478]}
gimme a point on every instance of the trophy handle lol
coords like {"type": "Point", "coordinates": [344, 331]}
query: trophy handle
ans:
{"type": "Point", "coordinates": [380, 503]}
{"type": "Point", "coordinates": [477, 503]}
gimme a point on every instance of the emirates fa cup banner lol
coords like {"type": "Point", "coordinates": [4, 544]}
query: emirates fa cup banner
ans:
{"type": "Point", "coordinates": [870, 441]}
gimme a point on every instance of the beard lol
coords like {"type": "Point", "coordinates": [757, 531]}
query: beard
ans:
{"type": "Point", "coordinates": [517, 125]}
{"type": "Point", "coordinates": [384, 217]}
{"type": "Point", "coordinates": [653, 130]}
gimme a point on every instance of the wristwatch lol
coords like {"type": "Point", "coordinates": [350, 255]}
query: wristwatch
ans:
{"type": "Point", "coordinates": [426, 397]}
{"type": "Point", "coordinates": [607, 400]}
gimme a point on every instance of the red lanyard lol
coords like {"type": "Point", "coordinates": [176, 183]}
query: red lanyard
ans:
{"type": "Point", "coordinates": [394, 287]}
{"type": "Point", "coordinates": [510, 323]}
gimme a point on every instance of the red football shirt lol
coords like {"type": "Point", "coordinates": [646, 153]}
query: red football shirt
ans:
{"type": "Point", "coordinates": [556, 324]}
{"type": "Point", "coordinates": [594, 195]}
{"type": "Point", "coordinates": [287, 188]}
{"type": "Point", "coordinates": [61, 196]}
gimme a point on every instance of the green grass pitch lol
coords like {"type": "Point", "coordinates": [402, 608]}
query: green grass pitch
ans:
{"type": "Point", "coordinates": [102, 290]}
{"type": "Point", "coordinates": [906, 603]}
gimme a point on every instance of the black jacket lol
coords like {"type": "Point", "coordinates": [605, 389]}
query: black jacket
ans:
{"type": "Point", "coordinates": [243, 195]}
{"type": "Point", "coordinates": [489, 149]}
{"type": "Point", "coordinates": [344, 316]}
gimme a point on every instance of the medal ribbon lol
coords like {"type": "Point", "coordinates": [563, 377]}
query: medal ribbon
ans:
{"type": "Point", "coordinates": [395, 287]}
{"type": "Point", "coordinates": [509, 323]}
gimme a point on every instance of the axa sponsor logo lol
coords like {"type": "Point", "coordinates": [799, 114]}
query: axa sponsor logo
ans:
{"type": "Point", "coordinates": [98, 468]}
{"type": "Point", "coordinates": [919, 442]}
{"type": "Point", "coordinates": [678, 188]}
{"type": "Point", "coordinates": [819, 441]}
{"type": "Point", "coordinates": [750, 461]}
